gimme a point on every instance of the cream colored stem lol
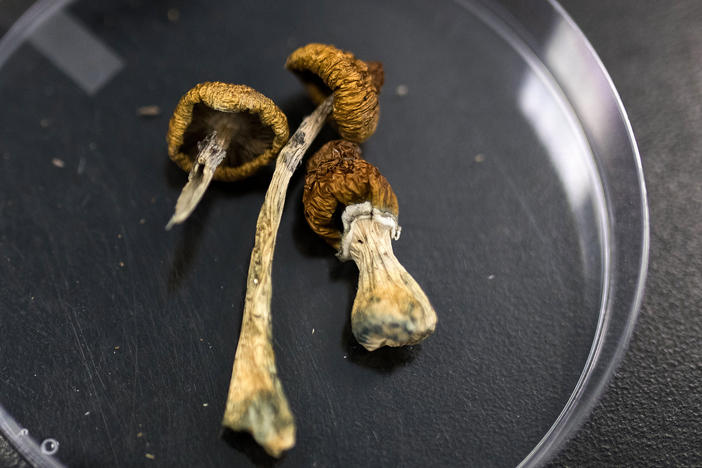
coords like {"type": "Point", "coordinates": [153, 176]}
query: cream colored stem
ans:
{"type": "Point", "coordinates": [390, 308]}
{"type": "Point", "coordinates": [212, 151]}
{"type": "Point", "coordinates": [256, 402]}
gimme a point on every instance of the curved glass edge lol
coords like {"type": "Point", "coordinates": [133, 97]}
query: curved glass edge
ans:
{"type": "Point", "coordinates": [28, 22]}
{"type": "Point", "coordinates": [577, 70]}
{"type": "Point", "coordinates": [24, 444]}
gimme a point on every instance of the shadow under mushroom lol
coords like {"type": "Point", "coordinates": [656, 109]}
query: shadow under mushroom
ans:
{"type": "Point", "coordinates": [246, 444]}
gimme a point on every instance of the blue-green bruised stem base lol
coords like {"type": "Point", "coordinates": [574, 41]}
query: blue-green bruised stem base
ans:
{"type": "Point", "coordinates": [390, 308]}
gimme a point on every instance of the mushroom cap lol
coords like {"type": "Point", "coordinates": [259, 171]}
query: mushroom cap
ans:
{"type": "Point", "coordinates": [257, 128]}
{"type": "Point", "coordinates": [324, 70]}
{"type": "Point", "coordinates": [337, 177]}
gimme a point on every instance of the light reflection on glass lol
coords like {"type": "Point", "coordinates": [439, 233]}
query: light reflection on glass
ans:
{"type": "Point", "coordinates": [561, 137]}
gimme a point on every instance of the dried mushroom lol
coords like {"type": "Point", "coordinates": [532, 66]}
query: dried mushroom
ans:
{"type": "Point", "coordinates": [224, 132]}
{"type": "Point", "coordinates": [390, 308]}
{"type": "Point", "coordinates": [256, 402]}
{"type": "Point", "coordinates": [324, 70]}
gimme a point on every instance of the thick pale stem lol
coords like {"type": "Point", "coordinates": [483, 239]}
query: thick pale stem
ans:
{"type": "Point", "coordinates": [390, 308]}
{"type": "Point", "coordinates": [211, 153]}
{"type": "Point", "coordinates": [256, 402]}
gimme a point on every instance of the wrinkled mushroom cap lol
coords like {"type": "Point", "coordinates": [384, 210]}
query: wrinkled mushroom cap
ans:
{"type": "Point", "coordinates": [324, 70]}
{"type": "Point", "coordinates": [258, 128]}
{"type": "Point", "coordinates": [337, 177]}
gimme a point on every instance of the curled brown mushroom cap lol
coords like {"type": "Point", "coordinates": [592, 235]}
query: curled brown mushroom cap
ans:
{"type": "Point", "coordinates": [337, 175]}
{"type": "Point", "coordinates": [225, 132]}
{"type": "Point", "coordinates": [390, 308]}
{"type": "Point", "coordinates": [324, 70]}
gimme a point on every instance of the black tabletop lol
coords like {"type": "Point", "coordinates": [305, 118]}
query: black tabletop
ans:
{"type": "Point", "coordinates": [650, 414]}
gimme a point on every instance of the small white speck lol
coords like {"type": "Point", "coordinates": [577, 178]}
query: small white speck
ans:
{"type": "Point", "coordinates": [81, 166]}
{"type": "Point", "coordinates": [401, 90]}
{"type": "Point", "coordinates": [345, 356]}
{"type": "Point", "coordinates": [58, 162]}
{"type": "Point", "coordinates": [142, 221]}
{"type": "Point", "coordinates": [479, 158]}
{"type": "Point", "coordinates": [491, 277]}
{"type": "Point", "coordinates": [313, 331]}
{"type": "Point", "coordinates": [86, 413]}
{"type": "Point", "coordinates": [205, 404]}
{"type": "Point", "coordinates": [255, 281]}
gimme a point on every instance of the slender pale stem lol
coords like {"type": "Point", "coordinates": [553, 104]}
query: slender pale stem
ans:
{"type": "Point", "coordinates": [211, 153]}
{"type": "Point", "coordinates": [390, 308]}
{"type": "Point", "coordinates": [256, 401]}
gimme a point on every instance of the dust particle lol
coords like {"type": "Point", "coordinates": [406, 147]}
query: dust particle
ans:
{"type": "Point", "coordinates": [173, 15]}
{"type": "Point", "coordinates": [491, 277]}
{"type": "Point", "coordinates": [81, 166]}
{"type": "Point", "coordinates": [148, 111]}
{"type": "Point", "coordinates": [44, 123]}
{"type": "Point", "coordinates": [150, 456]}
{"type": "Point", "coordinates": [140, 435]}
{"type": "Point", "coordinates": [58, 162]}
{"type": "Point", "coordinates": [121, 264]}
{"type": "Point", "coordinates": [402, 90]}
{"type": "Point", "coordinates": [479, 158]}
{"type": "Point", "coordinates": [205, 405]}
{"type": "Point", "coordinates": [142, 221]}
{"type": "Point", "coordinates": [313, 331]}
{"type": "Point", "coordinates": [119, 236]}
{"type": "Point", "coordinates": [116, 347]}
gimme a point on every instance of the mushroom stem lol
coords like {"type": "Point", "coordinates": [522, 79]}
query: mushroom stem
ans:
{"type": "Point", "coordinates": [390, 308]}
{"type": "Point", "coordinates": [211, 152]}
{"type": "Point", "coordinates": [256, 402]}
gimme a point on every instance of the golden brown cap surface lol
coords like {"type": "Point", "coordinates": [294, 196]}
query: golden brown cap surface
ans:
{"type": "Point", "coordinates": [324, 69]}
{"type": "Point", "coordinates": [258, 128]}
{"type": "Point", "coordinates": [338, 176]}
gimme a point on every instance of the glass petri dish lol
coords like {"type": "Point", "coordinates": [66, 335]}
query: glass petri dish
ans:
{"type": "Point", "coordinates": [522, 204]}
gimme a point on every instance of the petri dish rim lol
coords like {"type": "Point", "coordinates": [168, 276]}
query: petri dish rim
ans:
{"type": "Point", "coordinates": [616, 318]}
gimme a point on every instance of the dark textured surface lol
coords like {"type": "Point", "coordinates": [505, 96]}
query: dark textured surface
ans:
{"type": "Point", "coordinates": [652, 413]}
{"type": "Point", "coordinates": [649, 416]}
{"type": "Point", "coordinates": [9, 458]}
{"type": "Point", "coordinates": [119, 337]}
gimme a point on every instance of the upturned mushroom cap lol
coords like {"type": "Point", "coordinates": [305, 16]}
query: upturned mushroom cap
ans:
{"type": "Point", "coordinates": [337, 176]}
{"type": "Point", "coordinates": [324, 70]}
{"type": "Point", "coordinates": [258, 129]}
